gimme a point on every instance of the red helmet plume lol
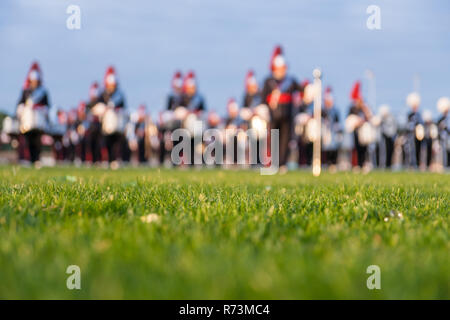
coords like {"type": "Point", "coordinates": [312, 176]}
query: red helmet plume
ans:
{"type": "Point", "coordinates": [328, 95]}
{"type": "Point", "coordinates": [177, 80]}
{"type": "Point", "coordinates": [110, 76]}
{"type": "Point", "coordinates": [250, 79]}
{"type": "Point", "coordinates": [355, 94]}
{"type": "Point", "coordinates": [277, 59]}
{"type": "Point", "coordinates": [232, 107]}
{"type": "Point", "coordinates": [34, 73]}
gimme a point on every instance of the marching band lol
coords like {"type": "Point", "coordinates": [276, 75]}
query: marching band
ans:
{"type": "Point", "coordinates": [101, 130]}
{"type": "Point", "coordinates": [32, 112]}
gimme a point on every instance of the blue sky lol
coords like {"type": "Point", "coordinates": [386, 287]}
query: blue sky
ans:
{"type": "Point", "coordinates": [220, 40]}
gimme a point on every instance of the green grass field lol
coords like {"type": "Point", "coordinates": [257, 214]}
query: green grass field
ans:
{"type": "Point", "coordinates": [222, 234]}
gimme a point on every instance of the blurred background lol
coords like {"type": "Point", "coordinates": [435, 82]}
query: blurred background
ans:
{"type": "Point", "coordinates": [148, 40]}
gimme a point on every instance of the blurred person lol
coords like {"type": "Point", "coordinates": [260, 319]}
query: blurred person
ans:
{"type": "Point", "coordinates": [252, 94]}
{"type": "Point", "coordinates": [194, 102]}
{"type": "Point", "coordinates": [140, 132]}
{"type": "Point", "coordinates": [358, 115]}
{"type": "Point", "coordinates": [214, 121]}
{"type": "Point", "coordinates": [32, 110]}
{"type": "Point", "coordinates": [125, 150]}
{"type": "Point", "coordinates": [431, 134]}
{"type": "Point", "coordinates": [114, 100]}
{"type": "Point", "coordinates": [252, 101]}
{"type": "Point", "coordinates": [232, 125]}
{"type": "Point", "coordinates": [70, 137]}
{"type": "Point", "coordinates": [388, 133]}
{"type": "Point", "coordinates": [400, 158]}
{"type": "Point", "coordinates": [330, 119]}
{"type": "Point", "coordinates": [175, 97]}
{"type": "Point", "coordinates": [191, 98]}
{"type": "Point", "coordinates": [305, 112]}
{"type": "Point", "coordinates": [81, 128]}
{"type": "Point", "coordinates": [443, 123]}
{"type": "Point", "coordinates": [415, 130]}
{"type": "Point", "coordinates": [232, 118]}
{"type": "Point", "coordinates": [278, 91]}
{"type": "Point", "coordinates": [94, 137]}
{"type": "Point", "coordinates": [58, 130]}
{"type": "Point", "coordinates": [174, 100]}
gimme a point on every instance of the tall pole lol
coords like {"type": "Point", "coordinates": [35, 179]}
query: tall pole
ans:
{"type": "Point", "coordinates": [318, 120]}
{"type": "Point", "coordinates": [372, 99]}
{"type": "Point", "coordinates": [372, 89]}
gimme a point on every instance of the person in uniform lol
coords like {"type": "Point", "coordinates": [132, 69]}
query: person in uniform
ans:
{"type": "Point", "coordinates": [113, 97]}
{"type": "Point", "coordinates": [252, 94]}
{"type": "Point", "coordinates": [251, 100]}
{"type": "Point", "coordinates": [443, 124]}
{"type": "Point", "coordinates": [431, 133]}
{"type": "Point", "coordinates": [214, 121]}
{"type": "Point", "coordinates": [278, 91]}
{"type": "Point", "coordinates": [232, 124]}
{"type": "Point", "coordinates": [174, 100]}
{"type": "Point", "coordinates": [362, 114]}
{"type": "Point", "coordinates": [194, 102]}
{"type": "Point", "coordinates": [94, 137]}
{"type": "Point", "coordinates": [232, 119]}
{"type": "Point", "coordinates": [191, 98]}
{"type": "Point", "coordinates": [330, 119]}
{"type": "Point", "coordinates": [415, 130]}
{"type": "Point", "coordinates": [81, 129]}
{"type": "Point", "coordinates": [140, 133]}
{"type": "Point", "coordinates": [305, 112]}
{"type": "Point", "coordinates": [388, 133]}
{"type": "Point", "coordinates": [71, 138]}
{"type": "Point", "coordinates": [59, 129]}
{"type": "Point", "coordinates": [35, 95]}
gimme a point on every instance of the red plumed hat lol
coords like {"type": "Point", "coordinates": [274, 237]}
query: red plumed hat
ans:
{"type": "Point", "coordinates": [355, 94]}
{"type": "Point", "coordinates": [232, 105]}
{"type": "Point", "coordinates": [277, 59]}
{"type": "Point", "coordinates": [328, 92]}
{"type": "Point", "coordinates": [250, 79]}
{"type": "Point", "coordinates": [34, 73]}
{"type": "Point", "coordinates": [110, 76]}
{"type": "Point", "coordinates": [189, 80]}
{"type": "Point", "coordinates": [81, 107]}
{"type": "Point", "coordinates": [328, 95]}
{"type": "Point", "coordinates": [177, 80]}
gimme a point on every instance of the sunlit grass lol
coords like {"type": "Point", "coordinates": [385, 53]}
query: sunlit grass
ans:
{"type": "Point", "coordinates": [222, 234]}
